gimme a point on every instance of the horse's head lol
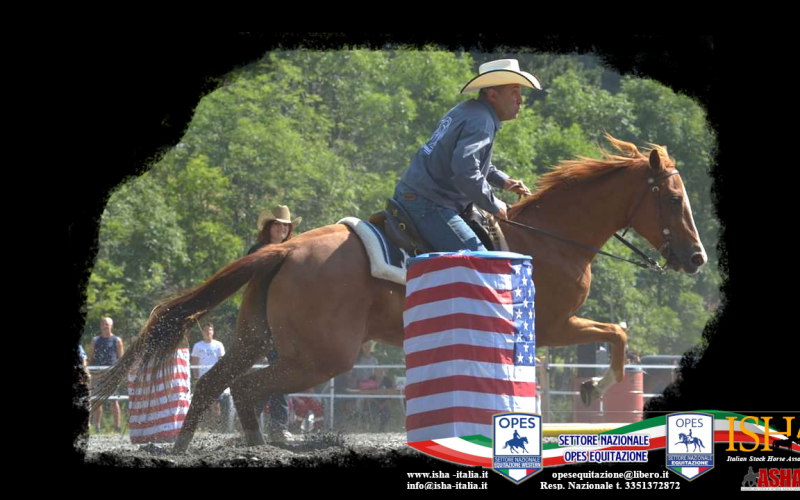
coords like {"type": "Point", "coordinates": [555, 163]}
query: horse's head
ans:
{"type": "Point", "coordinates": [663, 216]}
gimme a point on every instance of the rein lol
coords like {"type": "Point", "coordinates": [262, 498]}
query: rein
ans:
{"type": "Point", "coordinates": [648, 263]}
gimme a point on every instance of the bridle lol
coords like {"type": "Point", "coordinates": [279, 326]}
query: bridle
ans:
{"type": "Point", "coordinates": [647, 262]}
{"type": "Point", "coordinates": [651, 181]}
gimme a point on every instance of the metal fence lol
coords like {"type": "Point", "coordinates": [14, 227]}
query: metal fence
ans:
{"type": "Point", "coordinates": [553, 411]}
{"type": "Point", "coordinates": [546, 405]}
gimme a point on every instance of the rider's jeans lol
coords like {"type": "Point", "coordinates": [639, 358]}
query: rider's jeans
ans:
{"type": "Point", "coordinates": [442, 227]}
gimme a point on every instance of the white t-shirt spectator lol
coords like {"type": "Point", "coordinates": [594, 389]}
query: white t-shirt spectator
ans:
{"type": "Point", "coordinates": [207, 353]}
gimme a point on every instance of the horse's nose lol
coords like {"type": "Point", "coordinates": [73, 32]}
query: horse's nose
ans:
{"type": "Point", "coordinates": [699, 259]}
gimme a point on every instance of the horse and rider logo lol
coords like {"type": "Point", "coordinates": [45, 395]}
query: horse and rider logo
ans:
{"type": "Point", "coordinates": [687, 440]}
{"type": "Point", "coordinates": [517, 445]}
{"type": "Point", "coordinates": [690, 444]}
{"type": "Point", "coordinates": [516, 442]}
{"type": "Point", "coordinates": [750, 479]}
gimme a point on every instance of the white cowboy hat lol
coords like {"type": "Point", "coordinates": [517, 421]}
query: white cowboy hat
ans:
{"type": "Point", "coordinates": [280, 214]}
{"type": "Point", "coordinates": [501, 72]}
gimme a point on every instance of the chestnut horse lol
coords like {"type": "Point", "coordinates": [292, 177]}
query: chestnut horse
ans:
{"type": "Point", "coordinates": [323, 304]}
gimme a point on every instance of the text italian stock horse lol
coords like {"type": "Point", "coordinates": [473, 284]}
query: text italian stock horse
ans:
{"type": "Point", "coordinates": [323, 304]}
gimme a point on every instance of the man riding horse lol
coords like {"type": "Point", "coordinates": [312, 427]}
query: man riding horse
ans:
{"type": "Point", "coordinates": [454, 168]}
{"type": "Point", "coordinates": [585, 200]}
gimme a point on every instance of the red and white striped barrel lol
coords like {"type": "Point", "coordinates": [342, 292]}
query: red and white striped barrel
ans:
{"type": "Point", "coordinates": [469, 342]}
{"type": "Point", "coordinates": [157, 409]}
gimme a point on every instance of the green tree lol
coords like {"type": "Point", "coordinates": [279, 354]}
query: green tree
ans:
{"type": "Point", "coordinates": [570, 100]}
{"type": "Point", "coordinates": [141, 242]}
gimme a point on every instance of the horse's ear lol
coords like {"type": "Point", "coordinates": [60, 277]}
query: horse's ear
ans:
{"type": "Point", "coordinates": [655, 160]}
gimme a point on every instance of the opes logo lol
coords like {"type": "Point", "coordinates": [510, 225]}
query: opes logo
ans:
{"type": "Point", "coordinates": [690, 444]}
{"type": "Point", "coordinates": [517, 445]}
{"type": "Point", "coordinates": [771, 480]}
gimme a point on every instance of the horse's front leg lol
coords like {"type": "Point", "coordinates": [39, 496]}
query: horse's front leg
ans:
{"type": "Point", "coordinates": [585, 331]}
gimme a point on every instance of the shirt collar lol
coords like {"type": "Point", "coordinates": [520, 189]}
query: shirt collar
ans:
{"type": "Point", "coordinates": [497, 123]}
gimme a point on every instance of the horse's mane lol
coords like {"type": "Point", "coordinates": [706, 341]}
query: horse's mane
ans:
{"type": "Point", "coordinates": [571, 171]}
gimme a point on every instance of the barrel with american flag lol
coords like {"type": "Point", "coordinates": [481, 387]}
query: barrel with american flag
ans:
{"type": "Point", "coordinates": [159, 400]}
{"type": "Point", "coordinates": [469, 342]}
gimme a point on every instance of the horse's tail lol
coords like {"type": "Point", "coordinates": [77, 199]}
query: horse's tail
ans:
{"type": "Point", "coordinates": [170, 319]}
{"type": "Point", "coordinates": [506, 446]}
{"type": "Point", "coordinates": [700, 443]}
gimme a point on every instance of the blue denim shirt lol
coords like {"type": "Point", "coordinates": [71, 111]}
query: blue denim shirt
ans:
{"type": "Point", "coordinates": [454, 168]}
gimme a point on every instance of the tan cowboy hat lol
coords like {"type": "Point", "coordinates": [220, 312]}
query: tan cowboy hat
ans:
{"type": "Point", "coordinates": [501, 72]}
{"type": "Point", "coordinates": [280, 214]}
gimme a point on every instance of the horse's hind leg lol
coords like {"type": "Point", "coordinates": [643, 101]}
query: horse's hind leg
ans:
{"type": "Point", "coordinates": [254, 321]}
{"type": "Point", "coordinates": [247, 348]}
{"type": "Point", "coordinates": [245, 400]}
{"type": "Point", "coordinates": [208, 390]}
{"type": "Point", "coordinates": [245, 403]}
{"type": "Point", "coordinates": [284, 376]}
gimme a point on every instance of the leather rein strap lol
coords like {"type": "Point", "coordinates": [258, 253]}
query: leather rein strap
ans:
{"type": "Point", "coordinates": [648, 263]}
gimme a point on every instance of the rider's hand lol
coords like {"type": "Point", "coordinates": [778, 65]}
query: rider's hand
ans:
{"type": "Point", "coordinates": [502, 213]}
{"type": "Point", "coordinates": [516, 186]}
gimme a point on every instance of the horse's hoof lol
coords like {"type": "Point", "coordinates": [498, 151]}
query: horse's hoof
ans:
{"type": "Point", "coordinates": [254, 438]}
{"type": "Point", "coordinates": [279, 436]}
{"type": "Point", "coordinates": [178, 450]}
{"type": "Point", "coordinates": [589, 392]}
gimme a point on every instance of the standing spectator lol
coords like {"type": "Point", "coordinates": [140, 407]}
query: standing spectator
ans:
{"type": "Point", "coordinates": [84, 361]}
{"type": "Point", "coordinates": [366, 379]}
{"type": "Point", "coordinates": [83, 364]}
{"type": "Point", "coordinates": [105, 351]}
{"type": "Point", "coordinates": [206, 353]}
{"type": "Point", "coordinates": [83, 378]}
{"type": "Point", "coordinates": [275, 226]}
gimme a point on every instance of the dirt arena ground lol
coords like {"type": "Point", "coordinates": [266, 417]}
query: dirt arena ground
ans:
{"type": "Point", "coordinates": [229, 450]}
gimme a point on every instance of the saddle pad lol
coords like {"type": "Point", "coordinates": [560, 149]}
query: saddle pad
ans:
{"type": "Point", "coordinates": [386, 260]}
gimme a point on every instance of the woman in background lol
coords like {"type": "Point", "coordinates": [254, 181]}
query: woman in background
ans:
{"type": "Point", "coordinates": [275, 226]}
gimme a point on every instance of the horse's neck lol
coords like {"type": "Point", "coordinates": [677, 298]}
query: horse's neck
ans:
{"type": "Point", "coordinates": [588, 212]}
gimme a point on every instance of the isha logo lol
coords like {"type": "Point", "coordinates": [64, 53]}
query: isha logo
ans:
{"type": "Point", "coordinates": [517, 445]}
{"type": "Point", "coordinates": [772, 480]}
{"type": "Point", "coordinates": [786, 443]}
{"type": "Point", "coordinates": [690, 444]}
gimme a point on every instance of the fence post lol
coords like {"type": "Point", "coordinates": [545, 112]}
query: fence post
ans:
{"type": "Point", "coordinates": [546, 399]}
{"type": "Point", "coordinates": [333, 401]}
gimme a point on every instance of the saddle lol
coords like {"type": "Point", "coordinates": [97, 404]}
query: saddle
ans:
{"type": "Point", "coordinates": [401, 230]}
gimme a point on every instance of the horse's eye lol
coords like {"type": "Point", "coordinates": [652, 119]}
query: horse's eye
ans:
{"type": "Point", "coordinates": [676, 200]}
